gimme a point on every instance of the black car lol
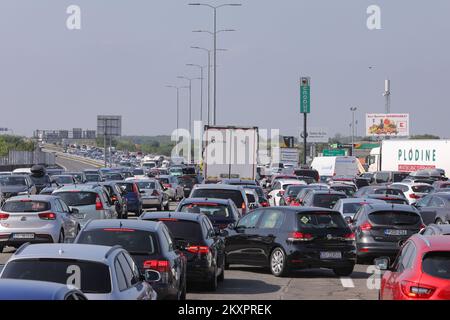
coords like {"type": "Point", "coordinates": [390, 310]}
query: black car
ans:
{"type": "Point", "coordinates": [286, 239]}
{"type": "Point", "coordinates": [17, 184]}
{"type": "Point", "coordinates": [221, 212]}
{"type": "Point", "coordinates": [312, 173]}
{"type": "Point", "coordinates": [435, 208]}
{"type": "Point", "coordinates": [150, 245]}
{"type": "Point", "coordinates": [381, 229]}
{"type": "Point", "coordinates": [187, 182]}
{"type": "Point", "coordinates": [436, 230]}
{"type": "Point", "coordinates": [323, 198]}
{"type": "Point", "coordinates": [262, 199]}
{"type": "Point", "coordinates": [116, 197]}
{"type": "Point", "coordinates": [348, 189]}
{"type": "Point", "coordinates": [195, 236]}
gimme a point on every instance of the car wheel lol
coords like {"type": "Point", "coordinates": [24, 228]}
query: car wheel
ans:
{"type": "Point", "coordinates": [183, 292]}
{"type": "Point", "coordinates": [343, 272]}
{"type": "Point", "coordinates": [212, 284]}
{"type": "Point", "coordinates": [278, 265]}
{"type": "Point", "coordinates": [61, 237]}
{"type": "Point", "coordinates": [222, 273]}
{"type": "Point", "coordinates": [1, 248]}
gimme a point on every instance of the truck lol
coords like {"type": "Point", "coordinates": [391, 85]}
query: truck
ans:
{"type": "Point", "coordinates": [410, 155]}
{"type": "Point", "coordinates": [329, 167]}
{"type": "Point", "coordinates": [230, 152]}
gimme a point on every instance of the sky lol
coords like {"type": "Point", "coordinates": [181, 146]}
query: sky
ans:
{"type": "Point", "coordinates": [127, 51]}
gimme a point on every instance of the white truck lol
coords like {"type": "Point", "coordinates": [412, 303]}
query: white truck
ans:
{"type": "Point", "coordinates": [329, 167]}
{"type": "Point", "coordinates": [410, 155]}
{"type": "Point", "coordinates": [230, 153]}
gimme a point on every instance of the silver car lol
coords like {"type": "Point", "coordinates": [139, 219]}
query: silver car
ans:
{"type": "Point", "coordinates": [90, 201]}
{"type": "Point", "coordinates": [36, 219]}
{"type": "Point", "coordinates": [152, 193]}
{"type": "Point", "coordinates": [100, 272]}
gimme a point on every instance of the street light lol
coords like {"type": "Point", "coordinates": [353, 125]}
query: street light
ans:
{"type": "Point", "coordinates": [201, 87]}
{"type": "Point", "coordinates": [178, 107]}
{"type": "Point", "coordinates": [190, 100]}
{"type": "Point", "coordinates": [209, 77]}
{"type": "Point", "coordinates": [353, 110]}
{"type": "Point", "coordinates": [215, 44]}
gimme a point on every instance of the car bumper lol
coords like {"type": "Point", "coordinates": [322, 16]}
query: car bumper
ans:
{"type": "Point", "coordinates": [199, 272]}
{"type": "Point", "coordinates": [378, 249]}
{"type": "Point", "coordinates": [150, 202]}
{"type": "Point", "coordinates": [306, 259]}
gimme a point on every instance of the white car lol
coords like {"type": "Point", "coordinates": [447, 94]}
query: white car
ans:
{"type": "Point", "coordinates": [413, 191]}
{"type": "Point", "coordinates": [278, 189]}
{"type": "Point", "coordinates": [152, 193]}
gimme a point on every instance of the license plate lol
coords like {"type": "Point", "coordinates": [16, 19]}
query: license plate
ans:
{"type": "Point", "coordinates": [23, 236]}
{"type": "Point", "coordinates": [390, 232]}
{"type": "Point", "coordinates": [330, 255]}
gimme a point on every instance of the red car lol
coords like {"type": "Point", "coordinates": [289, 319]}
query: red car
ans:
{"type": "Point", "coordinates": [420, 272]}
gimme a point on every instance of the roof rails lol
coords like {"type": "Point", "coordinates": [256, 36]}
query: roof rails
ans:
{"type": "Point", "coordinates": [116, 247]}
{"type": "Point", "coordinates": [21, 248]}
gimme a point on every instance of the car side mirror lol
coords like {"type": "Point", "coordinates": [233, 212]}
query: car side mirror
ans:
{"type": "Point", "coordinates": [74, 211]}
{"type": "Point", "coordinates": [220, 232]}
{"type": "Point", "coordinates": [152, 276]}
{"type": "Point", "coordinates": [252, 206]}
{"type": "Point", "coordinates": [382, 263]}
{"type": "Point", "coordinates": [349, 220]}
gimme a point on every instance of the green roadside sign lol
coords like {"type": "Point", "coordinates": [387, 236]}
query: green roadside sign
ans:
{"type": "Point", "coordinates": [334, 153]}
{"type": "Point", "coordinates": [305, 95]}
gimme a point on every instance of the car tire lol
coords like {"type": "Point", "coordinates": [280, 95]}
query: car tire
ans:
{"type": "Point", "coordinates": [343, 272]}
{"type": "Point", "coordinates": [212, 284]}
{"type": "Point", "coordinates": [61, 238]}
{"type": "Point", "coordinates": [183, 292]}
{"type": "Point", "coordinates": [1, 248]}
{"type": "Point", "coordinates": [277, 263]}
{"type": "Point", "coordinates": [222, 274]}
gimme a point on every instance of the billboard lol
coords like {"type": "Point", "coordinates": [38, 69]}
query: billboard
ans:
{"type": "Point", "coordinates": [381, 125]}
{"type": "Point", "coordinates": [317, 135]}
{"type": "Point", "coordinates": [111, 126]}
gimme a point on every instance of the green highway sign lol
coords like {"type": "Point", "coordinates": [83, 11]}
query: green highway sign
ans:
{"type": "Point", "coordinates": [305, 95]}
{"type": "Point", "coordinates": [334, 153]}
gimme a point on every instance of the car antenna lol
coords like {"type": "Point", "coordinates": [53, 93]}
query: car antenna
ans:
{"type": "Point", "coordinates": [120, 224]}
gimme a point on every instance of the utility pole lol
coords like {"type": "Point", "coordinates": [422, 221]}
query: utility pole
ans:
{"type": "Point", "coordinates": [353, 110]}
{"type": "Point", "coordinates": [387, 95]}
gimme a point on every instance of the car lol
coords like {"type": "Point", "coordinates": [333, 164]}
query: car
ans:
{"type": "Point", "coordinates": [92, 177]}
{"type": "Point", "coordinates": [16, 289]}
{"type": "Point", "coordinates": [348, 207]}
{"type": "Point", "coordinates": [279, 188]}
{"type": "Point", "coordinates": [152, 193]}
{"type": "Point", "coordinates": [421, 271]}
{"type": "Point", "coordinates": [252, 198]}
{"type": "Point", "coordinates": [100, 272]}
{"type": "Point", "coordinates": [133, 196]}
{"type": "Point", "coordinates": [435, 208]}
{"type": "Point", "coordinates": [151, 247]}
{"type": "Point", "coordinates": [323, 198]}
{"type": "Point", "coordinates": [113, 176]}
{"type": "Point", "coordinates": [174, 190]}
{"type": "Point", "coordinates": [291, 193]}
{"type": "Point", "coordinates": [413, 191]}
{"type": "Point", "coordinates": [221, 212]}
{"type": "Point", "coordinates": [287, 238]}
{"type": "Point", "coordinates": [139, 173]}
{"type": "Point", "coordinates": [36, 219]}
{"type": "Point", "coordinates": [238, 182]}
{"type": "Point", "coordinates": [90, 200]}
{"type": "Point", "coordinates": [262, 200]}
{"type": "Point", "coordinates": [380, 229]}
{"type": "Point", "coordinates": [222, 191]}
{"type": "Point", "coordinates": [77, 175]}
{"type": "Point", "coordinates": [176, 171]}
{"type": "Point", "coordinates": [196, 238]}
{"type": "Point", "coordinates": [116, 198]}
{"type": "Point", "coordinates": [16, 184]}
{"type": "Point", "coordinates": [307, 172]}
{"type": "Point", "coordinates": [62, 180]}
{"type": "Point", "coordinates": [381, 177]}
{"type": "Point", "coordinates": [348, 189]}
{"type": "Point", "coordinates": [441, 185]}
{"type": "Point", "coordinates": [436, 230]}
{"type": "Point", "coordinates": [383, 190]}
{"type": "Point", "coordinates": [187, 182]}
{"type": "Point", "coordinates": [295, 202]}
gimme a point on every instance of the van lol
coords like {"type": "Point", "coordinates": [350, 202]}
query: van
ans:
{"type": "Point", "coordinates": [329, 167]}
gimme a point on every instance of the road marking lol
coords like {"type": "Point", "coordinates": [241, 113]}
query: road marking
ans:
{"type": "Point", "coordinates": [347, 283]}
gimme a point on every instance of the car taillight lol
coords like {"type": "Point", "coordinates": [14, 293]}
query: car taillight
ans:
{"type": "Point", "coordinates": [414, 196]}
{"type": "Point", "coordinates": [416, 290]}
{"type": "Point", "coordinates": [300, 236]}
{"type": "Point", "coordinates": [264, 204]}
{"type": "Point", "coordinates": [98, 203]}
{"type": "Point", "coordinates": [349, 237]}
{"type": "Point", "coordinates": [4, 216]}
{"type": "Point", "coordinates": [288, 200]}
{"type": "Point", "coordinates": [155, 193]}
{"type": "Point", "coordinates": [295, 203]}
{"type": "Point", "coordinates": [135, 189]}
{"type": "Point", "coordinates": [168, 186]}
{"type": "Point", "coordinates": [244, 208]}
{"type": "Point", "coordinates": [366, 226]}
{"type": "Point", "coordinates": [47, 216]}
{"type": "Point", "coordinates": [198, 249]}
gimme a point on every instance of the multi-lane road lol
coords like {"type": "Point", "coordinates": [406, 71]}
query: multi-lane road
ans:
{"type": "Point", "coordinates": [248, 283]}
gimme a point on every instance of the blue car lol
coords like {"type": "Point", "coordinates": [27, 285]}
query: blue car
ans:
{"type": "Point", "coordinates": [12, 289]}
{"type": "Point", "coordinates": [133, 196]}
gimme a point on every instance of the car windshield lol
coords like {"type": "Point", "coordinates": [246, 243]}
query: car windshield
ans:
{"type": "Point", "coordinates": [320, 220]}
{"type": "Point", "coordinates": [326, 200]}
{"type": "Point", "coordinates": [12, 181]}
{"type": "Point", "coordinates": [26, 206]}
{"type": "Point", "coordinates": [40, 179]}
{"type": "Point", "coordinates": [146, 185]}
{"type": "Point", "coordinates": [78, 198]}
{"type": "Point", "coordinates": [63, 180]}
{"type": "Point", "coordinates": [212, 210]}
{"type": "Point", "coordinates": [394, 218]}
{"type": "Point", "coordinates": [134, 241]}
{"type": "Point", "coordinates": [92, 177]}
{"type": "Point", "coordinates": [437, 264]}
{"type": "Point", "coordinates": [234, 195]}
{"type": "Point", "coordinates": [138, 172]}
{"type": "Point", "coordinates": [352, 207]}
{"type": "Point", "coordinates": [127, 186]}
{"type": "Point", "coordinates": [182, 230]}
{"type": "Point", "coordinates": [94, 277]}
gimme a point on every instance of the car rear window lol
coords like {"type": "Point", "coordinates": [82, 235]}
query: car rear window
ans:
{"type": "Point", "coordinates": [212, 210]}
{"type": "Point", "coordinates": [437, 264]}
{"type": "Point", "coordinates": [183, 230]}
{"type": "Point", "coordinates": [398, 177]}
{"type": "Point", "coordinates": [349, 191]}
{"type": "Point", "coordinates": [352, 207]}
{"type": "Point", "coordinates": [320, 220]}
{"type": "Point", "coordinates": [422, 189]}
{"type": "Point", "coordinates": [164, 180]}
{"type": "Point", "coordinates": [78, 198]}
{"type": "Point", "coordinates": [92, 178]}
{"type": "Point", "coordinates": [234, 195]}
{"type": "Point", "coordinates": [146, 185]}
{"type": "Point", "coordinates": [394, 218]}
{"type": "Point", "coordinates": [307, 173]}
{"type": "Point", "coordinates": [134, 241]}
{"type": "Point", "coordinates": [395, 192]}
{"type": "Point", "coordinates": [128, 186]}
{"type": "Point", "coordinates": [26, 206]}
{"type": "Point", "coordinates": [326, 200]}
{"type": "Point", "coordinates": [63, 180]}
{"type": "Point", "coordinates": [94, 277]}
{"type": "Point", "coordinates": [12, 181]}
{"type": "Point", "coordinates": [138, 172]}
{"type": "Point", "coordinates": [293, 191]}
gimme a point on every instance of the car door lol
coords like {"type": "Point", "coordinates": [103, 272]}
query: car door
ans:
{"type": "Point", "coordinates": [442, 209]}
{"type": "Point", "coordinates": [266, 234]}
{"type": "Point", "coordinates": [62, 217]}
{"type": "Point", "coordinates": [177, 272]}
{"type": "Point", "coordinates": [428, 213]}
{"type": "Point", "coordinates": [136, 290]}
{"type": "Point", "coordinates": [70, 224]}
{"type": "Point", "coordinates": [273, 194]}
{"type": "Point", "coordinates": [217, 244]}
{"type": "Point", "coordinates": [239, 244]}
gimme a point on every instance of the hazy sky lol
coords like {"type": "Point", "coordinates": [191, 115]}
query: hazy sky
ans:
{"type": "Point", "coordinates": [128, 50]}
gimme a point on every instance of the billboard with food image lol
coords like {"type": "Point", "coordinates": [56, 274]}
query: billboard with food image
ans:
{"type": "Point", "coordinates": [396, 125]}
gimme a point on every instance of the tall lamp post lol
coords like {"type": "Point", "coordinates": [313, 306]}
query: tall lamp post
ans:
{"type": "Point", "coordinates": [353, 110]}
{"type": "Point", "coordinates": [215, 44]}
{"type": "Point", "coordinates": [201, 87]}
{"type": "Point", "coordinates": [178, 107]}
{"type": "Point", "coordinates": [190, 100]}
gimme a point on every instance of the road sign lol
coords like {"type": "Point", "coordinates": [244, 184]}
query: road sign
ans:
{"type": "Point", "coordinates": [333, 153]}
{"type": "Point", "coordinates": [316, 135]}
{"type": "Point", "coordinates": [305, 95]}
{"type": "Point", "coordinates": [288, 142]}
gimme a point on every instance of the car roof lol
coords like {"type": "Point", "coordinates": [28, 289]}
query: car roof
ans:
{"type": "Point", "coordinates": [391, 207]}
{"type": "Point", "coordinates": [187, 216]}
{"type": "Point", "coordinates": [329, 191]}
{"type": "Point", "coordinates": [16, 175]}
{"type": "Point", "coordinates": [32, 290]}
{"type": "Point", "coordinates": [79, 187]}
{"type": "Point", "coordinates": [444, 228]}
{"type": "Point", "coordinates": [300, 209]}
{"type": "Point", "coordinates": [432, 243]}
{"type": "Point", "coordinates": [86, 252]}
{"type": "Point", "coordinates": [218, 186]}
{"type": "Point", "coordinates": [205, 200]}
{"type": "Point", "coordinates": [357, 200]}
{"type": "Point", "coordinates": [116, 223]}
{"type": "Point", "coordinates": [36, 197]}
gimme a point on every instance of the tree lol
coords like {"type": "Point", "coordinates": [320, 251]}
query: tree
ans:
{"type": "Point", "coordinates": [425, 137]}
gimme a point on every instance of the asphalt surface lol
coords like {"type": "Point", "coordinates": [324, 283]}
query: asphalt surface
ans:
{"type": "Point", "coordinates": [250, 283]}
